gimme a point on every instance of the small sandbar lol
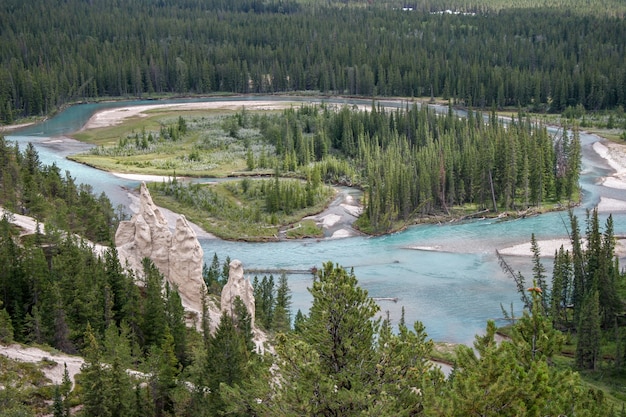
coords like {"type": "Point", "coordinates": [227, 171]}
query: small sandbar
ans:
{"type": "Point", "coordinates": [547, 248]}
{"type": "Point", "coordinates": [10, 128]}
{"type": "Point", "coordinates": [611, 205]}
{"type": "Point", "coordinates": [426, 248]}
{"type": "Point", "coordinates": [342, 233]}
{"type": "Point", "coordinates": [330, 220]}
{"type": "Point", "coordinates": [615, 155]}
{"type": "Point", "coordinates": [352, 209]}
{"type": "Point", "coordinates": [143, 177]}
{"type": "Point", "coordinates": [114, 117]}
{"type": "Point", "coordinates": [614, 182]}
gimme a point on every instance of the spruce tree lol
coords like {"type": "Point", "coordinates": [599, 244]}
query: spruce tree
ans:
{"type": "Point", "coordinates": [227, 359]}
{"type": "Point", "coordinates": [560, 296]}
{"type": "Point", "coordinates": [95, 391]}
{"type": "Point", "coordinates": [589, 333]}
{"type": "Point", "coordinates": [282, 311]}
{"type": "Point", "coordinates": [154, 319]}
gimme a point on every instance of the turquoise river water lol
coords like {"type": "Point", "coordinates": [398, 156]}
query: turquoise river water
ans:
{"type": "Point", "coordinates": [453, 290]}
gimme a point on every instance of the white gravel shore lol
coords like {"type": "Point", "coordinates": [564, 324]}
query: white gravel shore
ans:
{"type": "Point", "coordinates": [615, 155]}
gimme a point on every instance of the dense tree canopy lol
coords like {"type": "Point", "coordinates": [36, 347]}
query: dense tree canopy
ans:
{"type": "Point", "coordinates": [412, 162]}
{"type": "Point", "coordinates": [342, 358]}
{"type": "Point", "coordinates": [56, 52]}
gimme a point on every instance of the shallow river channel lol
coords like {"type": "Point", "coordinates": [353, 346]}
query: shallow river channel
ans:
{"type": "Point", "coordinates": [452, 282]}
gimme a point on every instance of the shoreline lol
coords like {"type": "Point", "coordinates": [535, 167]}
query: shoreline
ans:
{"type": "Point", "coordinates": [336, 220]}
{"type": "Point", "coordinates": [116, 116]}
{"type": "Point", "coordinates": [613, 153]}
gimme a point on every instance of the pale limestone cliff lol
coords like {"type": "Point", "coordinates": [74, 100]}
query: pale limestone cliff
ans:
{"type": "Point", "coordinates": [186, 258]}
{"type": "Point", "coordinates": [145, 235]}
{"type": "Point", "coordinates": [237, 286]}
{"type": "Point", "coordinates": [178, 256]}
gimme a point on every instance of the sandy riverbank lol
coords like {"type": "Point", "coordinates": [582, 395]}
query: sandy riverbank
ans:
{"type": "Point", "coordinates": [113, 117]}
{"type": "Point", "coordinates": [615, 155]}
{"type": "Point", "coordinates": [548, 248]}
{"type": "Point", "coordinates": [11, 128]}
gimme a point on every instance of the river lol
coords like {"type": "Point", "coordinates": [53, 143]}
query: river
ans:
{"type": "Point", "coordinates": [454, 287]}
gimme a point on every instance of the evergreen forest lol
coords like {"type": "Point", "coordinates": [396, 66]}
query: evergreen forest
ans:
{"type": "Point", "coordinates": [565, 354]}
{"type": "Point", "coordinates": [544, 59]}
{"type": "Point", "coordinates": [342, 357]}
{"type": "Point", "coordinates": [413, 164]}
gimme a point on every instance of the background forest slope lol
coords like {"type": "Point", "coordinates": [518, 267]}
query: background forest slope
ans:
{"type": "Point", "coordinates": [55, 291]}
{"type": "Point", "coordinates": [545, 59]}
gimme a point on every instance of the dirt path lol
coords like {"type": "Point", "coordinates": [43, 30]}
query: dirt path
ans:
{"type": "Point", "coordinates": [34, 355]}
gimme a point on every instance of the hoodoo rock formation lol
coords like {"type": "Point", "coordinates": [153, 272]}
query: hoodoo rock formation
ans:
{"type": "Point", "coordinates": [185, 263]}
{"type": "Point", "coordinates": [237, 286]}
{"type": "Point", "coordinates": [179, 257]}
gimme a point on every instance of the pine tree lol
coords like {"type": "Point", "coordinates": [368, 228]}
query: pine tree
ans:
{"type": "Point", "coordinates": [579, 289]}
{"type": "Point", "coordinates": [121, 390]}
{"type": "Point", "coordinates": [560, 296]}
{"type": "Point", "coordinates": [225, 272]}
{"type": "Point", "coordinates": [154, 319]}
{"type": "Point", "coordinates": [348, 369]}
{"type": "Point", "coordinates": [211, 276]}
{"type": "Point", "coordinates": [341, 324]}
{"type": "Point", "coordinates": [58, 410]}
{"type": "Point", "coordinates": [60, 326]}
{"type": "Point", "coordinates": [264, 301]}
{"type": "Point", "coordinates": [608, 278]}
{"type": "Point", "coordinates": [95, 393]}
{"type": "Point", "coordinates": [176, 322]}
{"type": "Point", "coordinates": [6, 327]}
{"type": "Point", "coordinates": [227, 359]}
{"type": "Point", "coordinates": [282, 311]}
{"type": "Point", "coordinates": [539, 273]}
{"type": "Point", "coordinates": [589, 333]}
{"type": "Point", "coordinates": [517, 377]}
{"type": "Point", "coordinates": [164, 375]}
{"type": "Point", "coordinates": [298, 322]}
{"type": "Point", "coordinates": [66, 389]}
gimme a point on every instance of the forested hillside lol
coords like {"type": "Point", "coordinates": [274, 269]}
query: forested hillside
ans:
{"type": "Point", "coordinates": [340, 358]}
{"type": "Point", "coordinates": [54, 52]}
{"type": "Point", "coordinates": [51, 196]}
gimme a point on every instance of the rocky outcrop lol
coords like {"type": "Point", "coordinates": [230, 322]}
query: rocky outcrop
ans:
{"type": "Point", "coordinates": [237, 286]}
{"type": "Point", "coordinates": [145, 235]}
{"type": "Point", "coordinates": [186, 259]}
{"type": "Point", "coordinates": [178, 256]}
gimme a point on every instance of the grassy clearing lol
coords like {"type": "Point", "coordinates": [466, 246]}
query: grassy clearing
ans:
{"type": "Point", "coordinates": [156, 144]}
{"type": "Point", "coordinates": [305, 229]}
{"type": "Point", "coordinates": [238, 210]}
{"type": "Point", "coordinates": [608, 124]}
